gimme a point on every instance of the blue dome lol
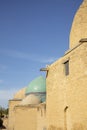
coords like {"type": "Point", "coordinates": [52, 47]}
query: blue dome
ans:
{"type": "Point", "coordinates": [38, 88]}
{"type": "Point", "coordinates": [38, 85]}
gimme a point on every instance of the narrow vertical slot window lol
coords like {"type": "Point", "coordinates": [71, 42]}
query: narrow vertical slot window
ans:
{"type": "Point", "coordinates": [66, 66]}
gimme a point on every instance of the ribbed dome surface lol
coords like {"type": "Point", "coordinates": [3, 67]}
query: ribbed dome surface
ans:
{"type": "Point", "coordinates": [20, 94]}
{"type": "Point", "coordinates": [38, 85]}
{"type": "Point", "coordinates": [79, 25]}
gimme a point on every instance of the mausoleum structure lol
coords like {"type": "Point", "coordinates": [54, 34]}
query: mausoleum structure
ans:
{"type": "Point", "coordinates": [59, 101]}
{"type": "Point", "coordinates": [28, 106]}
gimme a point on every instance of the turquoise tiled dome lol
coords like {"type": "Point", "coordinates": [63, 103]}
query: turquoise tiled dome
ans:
{"type": "Point", "coordinates": [38, 88]}
{"type": "Point", "coordinates": [38, 85]}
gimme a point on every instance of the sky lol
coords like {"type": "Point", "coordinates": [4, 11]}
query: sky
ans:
{"type": "Point", "coordinates": [33, 34]}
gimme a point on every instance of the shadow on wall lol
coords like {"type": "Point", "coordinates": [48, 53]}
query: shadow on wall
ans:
{"type": "Point", "coordinates": [54, 128]}
{"type": "Point", "coordinates": [44, 128]}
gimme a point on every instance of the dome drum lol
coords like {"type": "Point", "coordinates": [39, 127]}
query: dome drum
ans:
{"type": "Point", "coordinates": [36, 93]}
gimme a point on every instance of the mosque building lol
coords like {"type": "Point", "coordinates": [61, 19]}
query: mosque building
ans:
{"type": "Point", "coordinates": [59, 101]}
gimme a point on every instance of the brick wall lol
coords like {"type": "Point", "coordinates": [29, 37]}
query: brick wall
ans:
{"type": "Point", "coordinates": [67, 95]}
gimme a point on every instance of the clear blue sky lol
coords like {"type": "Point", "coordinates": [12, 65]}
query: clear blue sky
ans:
{"type": "Point", "coordinates": [33, 33]}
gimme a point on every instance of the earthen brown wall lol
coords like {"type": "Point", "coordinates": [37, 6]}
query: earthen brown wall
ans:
{"type": "Point", "coordinates": [41, 117]}
{"type": "Point", "coordinates": [67, 95]}
{"type": "Point", "coordinates": [25, 118]}
{"type": "Point", "coordinates": [12, 103]}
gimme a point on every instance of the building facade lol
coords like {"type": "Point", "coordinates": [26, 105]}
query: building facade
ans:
{"type": "Point", "coordinates": [66, 88]}
{"type": "Point", "coordinates": [67, 80]}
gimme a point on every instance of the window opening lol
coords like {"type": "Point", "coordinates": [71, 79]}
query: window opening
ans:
{"type": "Point", "coordinates": [66, 65]}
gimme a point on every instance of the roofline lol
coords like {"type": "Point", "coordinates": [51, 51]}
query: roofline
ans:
{"type": "Point", "coordinates": [15, 100]}
{"type": "Point", "coordinates": [32, 105]}
{"type": "Point", "coordinates": [80, 43]}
